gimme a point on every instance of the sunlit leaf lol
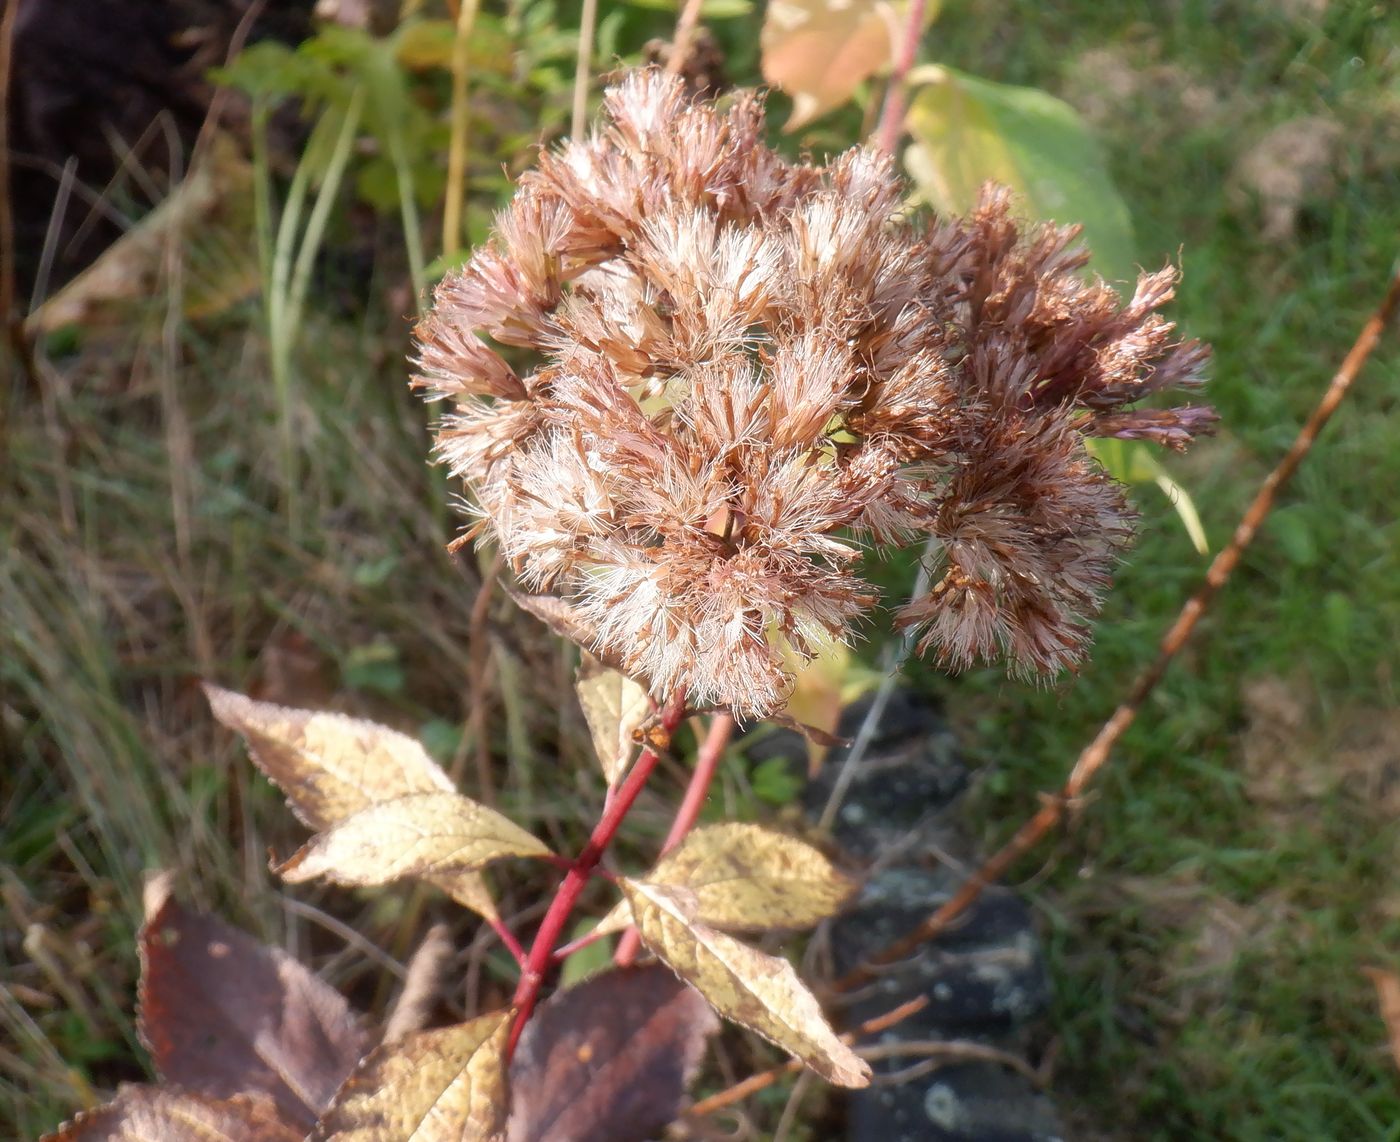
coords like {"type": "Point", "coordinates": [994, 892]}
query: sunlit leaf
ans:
{"type": "Point", "coordinates": [608, 1060]}
{"type": "Point", "coordinates": [429, 836]}
{"type": "Point", "coordinates": [224, 1015]}
{"type": "Point", "coordinates": [446, 1085]}
{"type": "Point", "coordinates": [967, 131]}
{"type": "Point", "coordinates": [819, 51]}
{"type": "Point", "coordinates": [750, 877]}
{"type": "Point", "coordinates": [331, 766]}
{"type": "Point", "coordinates": [1133, 462]}
{"type": "Point", "coordinates": [755, 990]}
{"type": "Point", "coordinates": [613, 706]}
{"type": "Point", "coordinates": [165, 1114]}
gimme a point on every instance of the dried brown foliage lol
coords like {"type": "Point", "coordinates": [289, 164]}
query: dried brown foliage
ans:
{"type": "Point", "coordinates": [737, 372]}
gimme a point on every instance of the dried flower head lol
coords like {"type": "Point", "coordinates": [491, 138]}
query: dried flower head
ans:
{"type": "Point", "coordinates": [744, 370]}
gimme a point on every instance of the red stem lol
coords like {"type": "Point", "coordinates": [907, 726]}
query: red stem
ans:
{"type": "Point", "coordinates": [696, 793]}
{"type": "Point", "coordinates": [507, 937]}
{"type": "Point", "coordinates": [537, 963]}
{"type": "Point", "coordinates": [892, 116]}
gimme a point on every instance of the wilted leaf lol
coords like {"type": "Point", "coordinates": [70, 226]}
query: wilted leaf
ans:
{"type": "Point", "coordinates": [757, 991]}
{"type": "Point", "coordinates": [563, 619]}
{"type": "Point", "coordinates": [609, 1060]}
{"type": "Point", "coordinates": [435, 837]}
{"type": "Point", "coordinates": [1388, 994]}
{"type": "Point", "coordinates": [164, 1114]}
{"type": "Point", "coordinates": [614, 706]}
{"type": "Point", "coordinates": [224, 1015]}
{"type": "Point", "coordinates": [746, 876]}
{"type": "Point", "coordinates": [968, 131]}
{"type": "Point", "coordinates": [446, 1085]}
{"type": "Point", "coordinates": [206, 217]}
{"type": "Point", "coordinates": [818, 51]}
{"type": "Point", "coordinates": [331, 766]}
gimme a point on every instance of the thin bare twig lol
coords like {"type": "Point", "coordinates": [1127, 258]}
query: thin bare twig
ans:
{"type": "Point", "coordinates": [588, 22]}
{"type": "Point", "coordinates": [685, 35]}
{"type": "Point", "coordinates": [942, 1053]}
{"type": "Point", "coordinates": [754, 1083]}
{"type": "Point", "coordinates": [1097, 752]}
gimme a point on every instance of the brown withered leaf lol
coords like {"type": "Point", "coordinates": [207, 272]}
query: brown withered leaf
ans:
{"type": "Point", "coordinates": [757, 991]}
{"type": "Point", "coordinates": [224, 1015]}
{"type": "Point", "coordinates": [331, 766]}
{"type": "Point", "coordinates": [167, 1114]}
{"type": "Point", "coordinates": [608, 1060]}
{"type": "Point", "coordinates": [818, 51]}
{"type": "Point", "coordinates": [1388, 995]}
{"type": "Point", "coordinates": [436, 837]}
{"type": "Point", "coordinates": [446, 1085]}
{"type": "Point", "coordinates": [614, 707]}
{"type": "Point", "coordinates": [749, 877]}
{"type": "Point", "coordinates": [564, 620]}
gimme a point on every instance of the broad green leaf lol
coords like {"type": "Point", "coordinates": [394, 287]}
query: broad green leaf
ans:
{"type": "Point", "coordinates": [435, 837]}
{"type": "Point", "coordinates": [967, 131]}
{"type": "Point", "coordinates": [446, 1085]}
{"type": "Point", "coordinates": [613, 706]}
{"type": "Point", "coordinates": [755, 990]}
{"type": "Point", "coordinates": [331, 767]}
{"type": "Point", "coordinates": [819, 51]}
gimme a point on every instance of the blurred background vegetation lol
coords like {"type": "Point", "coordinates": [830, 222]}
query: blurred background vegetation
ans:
{"type": "Point", "coordinates": [213, 469]}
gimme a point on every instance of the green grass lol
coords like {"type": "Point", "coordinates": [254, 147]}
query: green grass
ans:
{"type": "Point", "coordinates": [1207, 934]}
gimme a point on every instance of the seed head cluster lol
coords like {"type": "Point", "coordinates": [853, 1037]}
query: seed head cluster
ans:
{"type": "Point", "coordinates": [691, 381]}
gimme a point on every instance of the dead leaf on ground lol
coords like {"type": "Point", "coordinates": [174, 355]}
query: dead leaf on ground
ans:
{"type": "Point", "coordinates": [163, 1114]}
{"type": "Point", "coordinates": [446, 1085]}
{"type": "Point", "coordinates": [609, 1060]}
{"type": "Point", "coordinates": [436, 837]}
{"type": "Point", "coordinates": [614, 706]}
{"type": "Point", "coordinates": [223, 1015]}
{"type": "Point", "coordinates": [757, 991]}
{"type": "Point", "coordinates": [1388, 993]}
{"type": "Point", "coordinates": [331, 766]}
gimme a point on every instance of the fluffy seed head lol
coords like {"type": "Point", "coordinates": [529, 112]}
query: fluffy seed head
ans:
{"type": "Point", "coordinates": [691, 381]}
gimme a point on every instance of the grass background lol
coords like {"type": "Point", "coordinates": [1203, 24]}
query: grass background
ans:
{"type": "Point", "coordinates": [1211, 910]}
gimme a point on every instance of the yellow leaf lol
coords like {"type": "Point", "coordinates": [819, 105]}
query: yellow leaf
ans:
{"type": "Point", "coordinates": [431, 836]}
{"type": "Point", "coordinates": [331, 766]}
{"type": "Point", "coordinates": [446, 1085]}
{"type": "Point", "coordinates": [755, 990]}
{"type": "Point", "coordinates": [818, 51]}
{"type": "Point", "coordinates": [746, 876]}
{"type": "Point", "coordinates": [613, 706]}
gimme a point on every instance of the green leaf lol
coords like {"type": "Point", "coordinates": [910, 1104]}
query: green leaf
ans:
{"type": "Point", "coordinates": [774, 782]}
{"type": "Point", "coordinates": [968, 131]}
{"type": "Point", "coordinates": [1133, 462]}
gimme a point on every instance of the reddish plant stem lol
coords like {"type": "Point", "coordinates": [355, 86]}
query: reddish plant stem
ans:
{"type": "Point", "coordinates": [1096, 754]}
{"type": "Point", "coordinates": [706, 766]}
{"type": "Point", "coordinates": [561, 954]}
{"type": "Point", "coordinates": [537, 963]}
{"type": "Point", "coordinates": [892, 116]}
{"type": "Point", "coordinates": [507, 937]}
